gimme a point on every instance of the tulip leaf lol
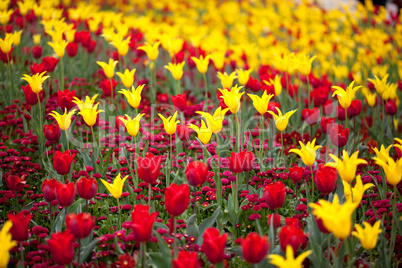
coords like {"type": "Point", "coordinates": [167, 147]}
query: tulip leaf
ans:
{"type": "Point", "coordinates": [85, 251]}
{"type": "Point", "coordinates": [159, 225]}
{"type": "Point", "coordinates": [58, 223]}
{"type": "Point", "coordinates": [192, 227]}
{"type": "Point", "coordinates": [209, 222]}
{"type": "Point", "coordinates": [117, 247]}
{"type": "Point", "coordinates": [156, 260]}
{"type": "Point", "coordinates": [166, 253]}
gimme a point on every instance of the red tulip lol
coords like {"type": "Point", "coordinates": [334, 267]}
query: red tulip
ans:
{"type": "Point", "coordinates": [196, 173]}
{"type": "Point", "coordinates": [271, 107]}
{"type": "Point", "coordinates": [142, 222]}
{"type": "Point", "coordinates": [72, 49]}
{"type": "Point", "coordinates": [255, 248]}
{"type": "Point", "coordinates": [87, 188]}
{"type": "Point", "coordinates": [52, 132]}
{"type": "Point", "coordinates": [274, 195]}
{"type": "Point", "coordinates": [65, 99]}
{"type": "Point", "coordinates": [326, 124]}
{"type": "Point", "coordinates": [292, 235]}
{"type": "Point", "coordinates": [328, 108]}
{"type": "Point", "coordinates": [340, 113]}
{"type": "Point", "coordinates": [390, 107]}
{"type": "Point", "coordinates": [50, 63]}
{"type": "Point", "coordinates": [62, 162]}
{"type": "Point", "coordinates": [338, 135]}
{"type": "Point", "coordinates": [186, 259]}
{"type": "Point", "coordinates": [49, 189]}
{"type": "Point", "coordinates": [149, 167]}
{"type": "Point", "coordinates": [106, 87]}
{"type": "Point", "coordinates": [80, 225]}
{"type": "Point", "coordinates": [325, 178]}
{"type": "Point", "coordinates": [37, 52]}
{"type": "Point", "coordinates": [242, 161]}
{"type": "Point", "coordinates": [177, 199]}
{"type": "Point", "coordinates": [119, 124]}
{"type": "Point", "coordinates": [214, 245]}
{"type": "Point", "coordinates": [19, 230]}
{"type": "Point", "coordinates": [15, 183]}
{"type": "Point", "coordinates": [61, 247]}
{"type": "Point", "coordinates": [183, 132]}
{"type": "Point", "coordinates": [355, 108]}
{"type": "Point", "coordinates": [310, 116]}
{"type": "Point", "coordinates": [31, 98]}
{"type": "Point", "coordinates": [296, 174]}
{"type": "Point", "coordinates": [37, 68]}
{"type": "Point", "coordinates": [65, 193]}
{"type": "Point", "coordinates": [179, 102]}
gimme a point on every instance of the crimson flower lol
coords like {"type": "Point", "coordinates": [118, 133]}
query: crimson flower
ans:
{"type": "Point", "coordinates": [52, 132]}
{"type": "Point", "coordinates": [61, 247]}
{"type": "Point", "coordinates": [87, 188]}
{"type": "Point", "coordinates": [15, 183]}
{"type": "Point", "coordinates": [274, 195]}
{"type": "Point", "coordinates": [296, 174]}
{"type": "Point", "coordinates": [214, 245]}
{"type": "Point", "coordinates": [50, 63]}
{"type": "Point", "coordinates": [310, 116]}
{"type": "Point", "coordinates": [196, 173]}
{"type": "Point", "coordinates": [292, 235]}
{"type": "Point", "coordinates": [179, 102]}
{"type": "Point", "coordinates": [31, 97]}
{"type": "Point", "coordinates": [177, 199]}
{"type": "Point", "coordinates": [242, 161]}
{"type": "Point", "coordinates": [183, 132]}
{"type": "Point", "coordinates": [255, 248]}
{"type": "Point", "coordinates": [186, 259]}
{"type": "Point", "coordinates": [142, 222]}
{"type": "Point", "coordinates": [65, 194]}
{"type": "Point", "coordinates": [80, 225]}
{"type": "Point", "coordinates": [325, 178]}
{"type": "Point", "coordinates": [65, 99]}
{"type": "Point", "coordinates": [49, 189]}
{"type": "Point", "coordinates": [19, 230]}
{"type": "Point", "coordinates": [149, 167]}
{"type": "Point", "coordinates": [62, 162]}
{"type": "Point", "coordinates": [105, 85]}
{"type": "Point", "coordinates": [326, 124]}
{"type": "Point", "coordinates": [338, 135]}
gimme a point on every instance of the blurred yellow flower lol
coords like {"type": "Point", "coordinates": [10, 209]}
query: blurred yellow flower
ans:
{"type": "Point", "coordinates": [63, 120]}
{"type": "Point", "coordinates": [204, 133]}
{"type": "Point", "coordinates": [6, 243]}
{"type": "Point", "coordinates": [176, 69]}
{"type": "Point", "coordinates": [346, 168]}
{"type": "Point", "coordinates": [227, 80]}
{"type": "Point", "coordinates": [201, 63]}
{"type": "Point", "coordinates": [369, 235]}
{"type": "Point", "coordinates": [36, 81]}
{"type": "Point", "coordinates": [170, 123]}
{"type": "Point", "coordinates": [108, 68]}
{"type": "Point", "coordinates": [276, 82]}
{"type": "Point", "coordinates": [355, 194]}
{"type": "Point", "coordinates": [391, 168]}
{"type": "Point", "coordinates": [345, 97]}
{"type": "Point", "coordinates": [307, 152]}
{"type": "Point", "coordinates": [59, 47]}
{"type": "Point", "coordinates": [281, 121]}
{"type": "Point", "coordinates": [232, 98]}
{"type": "Point", "coordinates": [151, 50]}
{"type": "Point", "coordinates": [243, 76]}
{"type": "Point", "coordinates": [261, 103]}
{"type": "Point", "coordinates": [289, 261]}
{"type": "Point", "coordinates": [132, 124]}
{"type": "Point", "coordinates": [133, 97]}
{"type": "Point", "coordinates": [89, 114]}
{"type": "Point", "coordinates": [214, 121]}
{"type": "Point", "coordinates": [127, 78]}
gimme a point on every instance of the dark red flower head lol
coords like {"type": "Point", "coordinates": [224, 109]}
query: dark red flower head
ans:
{"type": "Point", "coordinates": [61, 247]}
{"type": "Point", "coordinates": [274, 195]}
{"type": "Point", "coordinates": [52, 132]}
{"type": "Point", "coordinates": [310, 116]}
{"type": "Point", "coordinates": [50, 63]}
{"type": "Point", "coordinates": [196, 173]}
{"type": "Point", "coordinates": [19, 230]}
{"type": "Point", "coordinates": [62, 162]}
{"type": "Point", "coordinates": [72, 49]}
{"type": "Point", "coordinates": [65, 194]}
{"type": "Point", "coordinates": [183, 132]}
{"type": "Point", "coordinates": [242, 161]}
{"type": "Point", "coordinates": [292, 235]}
{"type": "Point", "coordinates": [326, 124]}
{"type": "Point", "coordinates": [15, 183]}
{"type": "Point", "coordinates": [186, 259]}
{"type": "Point", "coordinates": [339, 136]}
{"type": "Point", "coordinates": [65, 99]}
{"type": "Point", "coordinates": [106, 87]}
{"type": "Point", "coordinates": [355, 108]}
{"type": "Point", "coordinates": [87, 188]}
{"type": "Point", "coordinates": [31, 98]}
{"type": "Point", "coordinates": [80, 225]}
{"type": "Point", "coordinates": [255, 248]}
{"type": "Point", "coordinates": [390, 107]}
{"type": "Point", "coordinates": [179, 102]}
{"type": "Point", "coordinates": [142, 222]}
{"type": "Point", "coordinates": [213, 245]}
{"type": "Point", "coordinates": [296, 174]}
{"type": "Point", "coordinates": [325, 178]}
{"type": "Point", "coordinates": [149, 167]}
{"type": "Point", "coordinates": [177, 199]}
{"type": "Point", "coordinates": [49, 189]}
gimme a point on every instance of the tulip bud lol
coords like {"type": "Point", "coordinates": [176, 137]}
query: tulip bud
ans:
{"type": "Point", "coordinates": [65, 194]}
{"type": "Point", "coordinates": [177, 199]}
{"type": "Point", "coordinates": [255, 248]}
{"type": "Point", "coordinates": [49, 189]}
{"type": "Point", "coordinates": [274, 195]}
{"type": "Point", "coordinates": [61, 247]}
{"type": "Point", "coordinates": [149, 167]}
{"type": "Point", "coordinates": [19, 230]}
{"type": "Point", "coordinates": [87, 188]}
{"type": "Point", "coordinates": [80, 225]}
{"type": "Point", "coordinates": [325, 179]}
{"type": "Point", "coordinates": [52, 132]}
{"type": "Point", "coordinates": [62, 162]}
{"type": "Point", "coordinates": [196, 173]}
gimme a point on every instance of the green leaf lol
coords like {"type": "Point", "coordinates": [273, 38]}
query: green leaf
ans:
{"type": "Point", "coordinates": [192, 227]}
{"type": "Point", "coordinates": [117, 247]}
{"type": "Point", "coordinates": [164, 248]}
{"type": "Point", "coordinates": [206, 224]}
{"type": "Point", "coordinates": [85, 251]}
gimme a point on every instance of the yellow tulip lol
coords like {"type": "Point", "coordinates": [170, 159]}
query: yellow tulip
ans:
{"type": "Point", "coordinates": [204, 133]}
{"type": "Point", "coordinates": [176, 69]}
{"type": "Point", "coordinates": [132, 124]}
{"type": "Point", "coordinates": [133, 97]}
{"type": "Point", "coordinates": [36, 81]}
{"type": "Point", "coordinates": [6, 43]}
{"type": "Point", "coordinates": [290, 260]}
{"type": "Point", "coordinates": [371, 99]}
{"type": "Point", "coordinates": [214, 121]}
{"type": "Point", "coordinates": [281, 121]}
{"type": "Point", "coordinates": [36, 39]}
{"type": "Point", "coordinates": [304, 64]}
{"type": "Point", "coordinates": [122, 45]}
{"type": "Point", "coordinates": [17, 38]}
{"type": "Point", "coordinates": [346, 168]}
{"type": "Point", "coordinates": [63, 120]}
{"type": "Point", "coordinates": [392, 169]}
{"type": "Point", "coordinates": [59, 47]}
{"type": "Point", "coordinates": [232, 98]}
{"type": "Point", "coordinates": [383, 153]}
{"type": "Point", "coordinates": [336, 218]}
{"type": "Point", "coordinates": [90, 114]}
{"type": "Point", "coordinates": [369, 235]}
{"type": "Point", "coordinates": [127, 78]}
{"type": "Point", "coordinates": [307, 152]}
{"type": "Point", "coordinates": [5, 16]}
{"type": "Point", "coordinates": [379, 84]}
{"type": "Point", "coordinates": [227, 80]}
{"type": "Point", "coordinates": [108, 68]}
{"type": "Point", "coordinates": [170, 123]}
{"type": "Point", "coordinates": [151, 50]}
{"type": "Point", "coordinates": [116, 189]}
{"type": "Point", "coordinates": [345, 97]}
{"type": "Point", "coordinates": [355, 194]}
{"type": "Point", "coordinates": [219, 59]}
{"type": "Point", "coordinates": [202, 63]}
{"type": "Point", "coordinates": [6, 243]}
{"type": "Point", "coordinates": [261, 103]}
{"type": "Point", "coordinates": [276, 82]}
{"type": "Point", "coordinates": [87, 104]}
{"type": "Point", "coordinates": [243, 76]}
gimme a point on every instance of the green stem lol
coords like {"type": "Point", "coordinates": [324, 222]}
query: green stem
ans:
{"type": "Point", "coordinates": [174, 238]}
{"type": "Point", "coordinates": [312, 180]}
{"type": "Point", "coordinates": [22, 254]}
{"type": "Point", "coordinates": [195, 201]}
{"type": "Point", "coordinates": [178, 87]}
{"type": "Point", "coordinates": [93, 139]}
{"type": "Point", "coordinates": [68, 144]}
{"type": "Point", "coordinates": [61, 74]}
{"type": "Point", "coordinates": [308, 92]}
{"type": "Point", "coordinates": [219, 181]}
{"type": "Point", "coordinates": [135, 162]}
{"type": "Point", "coordinates": [346, 118]}
{"type": "Point", "coordinates": [119, 218]}
{"type": "Point", "coordinates": [143, 254]}
{"type": "Point", "coordinates": [238, 132]}
{"type": "Point", "coordinates": [40, 112]}
{"type": "Point", "coordinates": [78, 252]}
{"type": "Point", "coordinates": [206, 92]}
{"type": "Point", "coordinates": [262, 128]}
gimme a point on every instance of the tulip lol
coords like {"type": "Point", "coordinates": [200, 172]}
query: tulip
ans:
{"type": "Point", "coordinates": [49, 189]}
{"type": "Point", "coordinates": [369, 235]}
{"type": "Point", "coordinates": [326, 179]}
{"type": "Point", "coordinates": [355, 108]}
{"type": "Point", "coordinates": [276, 83]}
{"type": "Point", "coordinates": [292, 235]}
{"type": "Point", "coordinates": [116, 188]}
{"type": "Point", "coordinates": [108, 87]}
{"type": "Point", "coordinates": [379, 84]}
{"type": "Point", "coordinates": [149, 167]}
{"type": "Point", "coordinates": [90, 114]}
{"type": "Point", "coordinates": [19, 230]}
{"type": "Point", "coordinates": [52, 132]}
{"type": "Point", "coordinates": [392, 169]}
{"type": "Point", "coordinates": [383, 153]}
{"type": "Point", "coordinates": [151, 50]}
{"type": "Point", "coordinates": [177, 199]}
{"type": "Point", "coordinates": [59, 47]}
{"type": "Point", "coordinates": [15, 183]}
{"type": "Point", "coordinates": [281, 121]}
{"type": "Point", "coordinates": [186, 259]}
{"type": "Point", "coordinates": [132, 124]}
{"type": "Point", "coordinates": [65, 99]}
{"type": "Point", "coordinates": [183, 132]}
{"type": "Point", "coordinates": [274, 219]}
{"type": "Point", "coordinates": [296, 174]}
{"type": "Point", "coordinates": [7, 243]}
{"type": "Point", "coordinates": [87, 188]}
{"type": "Point", "coordinates": [170, 123]}
{"type": "Point", "coordinates": [243, 76]}
{"type": "Point", "coordinates": [213, 245]}
{"type": "Point", "coordinates": [274, 195]}
{"type": "Point", "coordinates": [261, 103]}
{"type": "Point", "coordinates": [61, 247]}
{"type": "Point", "coordinates": [196, 173]}
{"type": "Point", "coordinates": [255, 248]}
{"type": "Point", "coordinates": [345, 97]}
{"type": "Point", "coordinates": [339, 136]}
{"type": "Point", "coordinates": [64, 121]}
{"type": "Point", "coordinates": [310, 116]}
{"type": "Point", "coordinates": [122, 45]}
{"type": "Point", "coordinates": [336, 218]}
{"type": "Point", "coordinates": [232, 98]}
{"type": "Point", "coordinates": [227, 80]}
{"type": "Point", "coordinates": [88, 103]}
{"type": "Point", "coordinates": [50, 63]}
{"type": "Point", "coordinates": [108, 68]}
{"type": "Point", "coordinates": [307, 152]}
{"type": "Point", "coordinates": [62, 162]}
{"type": "Point", "coordinates": [72, 49]}
{"type": "Point", "coordinates": [391, 108]}
{"type": "Point", "coordinates": [202, 63]}
{"type": "Point", "coordinates": [31, 98]}
{"type": "Point", "coordinates": [204, 133]}
{"type": "Point", "coordinates": [346, 168]}
{"type": "Point", "coordinates": [355, 194]}
{"type": "Point", "coordinates": [176, 69]}
{"type": "Point", "coordinates": [214, 121]}
{"type": "Point", "coordinates": [304, 64]}
{"type": "Point", "coordinates": [133, 97]}
{"type": "Point", "coordinates": [142, 222]}
{"type": "Point", "coordinates": [36, 81]}
{"type": "Point", "coordinates": [290, 260]}
{"type": "Point", "coordinates": [326, 124]}
{"type": "Point", "coordinates": [80, 225]}
{"type": "Point", "coordinates": [6, 44]}
{"type": "Point", "coordinates": [127, 78]}
{"type": "Point", "coordinates": [65, 194]}
{"type": "Point", "coordinates": [242, 161]}
{"type": "Point", "coordinates": [179, 102]}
